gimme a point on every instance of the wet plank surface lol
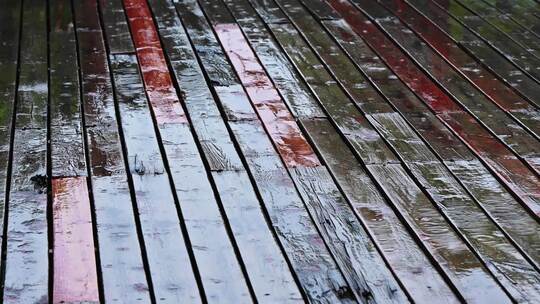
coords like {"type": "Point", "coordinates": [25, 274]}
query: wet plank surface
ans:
{"type": "Point", "coordinates": [270, 151]}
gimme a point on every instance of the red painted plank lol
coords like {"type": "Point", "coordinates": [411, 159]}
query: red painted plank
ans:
{"type": "Point", "coordinates": [514, 173]}
{"type": "Point", "coordinates": [271, 108]}
{"type": "Point", "coordinates": [75, 276]}
{"type": "Point", "coordinates": [157, 80]}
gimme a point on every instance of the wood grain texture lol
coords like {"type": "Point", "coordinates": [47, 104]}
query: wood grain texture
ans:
{"type": "Point", "coordinates": [123, 275]}
{"type": "Point", "coordinates": [454, 153]}
{"type": "Point", "coordinates": [259, 251]}
{"type": "Point", "coordinates": [446, 109]}
{"type": "Point", "coordinates": [9, 59]}
{"type": "Point", "coordinates": [479, 48]}
{"type": "Point", "coordinates": [26, 261]}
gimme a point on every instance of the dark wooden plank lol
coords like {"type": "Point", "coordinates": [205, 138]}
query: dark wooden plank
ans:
{"type": "Point", "coordinates": [490, 194]}
{"type": "Point", "coordinates": [123, 274]}
{"type": "Point", "coordinates": [513, 52]}
{"type": "Point", "coordinates": [438, 102]}
{"type": "Point", "coordinates": [520, 12]}
{"type": "Point", "coordinates": [405, 257]}
{"type": "Point", "coordinates": [116, 27]}
{"type": "Point", "coordinates": [443, 189]}
{"type": "Point", "coordinates": [480, 49]}
{"type": "Point", "coordinates": [503, 96]}
{"type": "Point", "coordinates": [292, 223]}
{"type": "Point", "coordinates": [26, 261]}
{"type": "Point", "coordinates": [75, 276]}
{"type": "Point", "coordinates": [266, 266]}
{"type": "Point", "coordinates": [67, 147]}
{"type": "Point", "coordinates": [504, 24]}
{"type": "Point", "coordinates": [457, 87]}
{"type": "Point", "coordinates": [10, 16]}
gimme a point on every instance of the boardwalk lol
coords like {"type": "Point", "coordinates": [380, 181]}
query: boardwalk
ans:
{"type": "Point", "coordinates": [270, 151]}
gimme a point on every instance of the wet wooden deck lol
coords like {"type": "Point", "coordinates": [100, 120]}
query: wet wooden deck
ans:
{"type": "Point", "coordinates": [270, 151]}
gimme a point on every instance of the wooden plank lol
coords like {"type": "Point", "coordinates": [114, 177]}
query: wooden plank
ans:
{"type": "Point", "coordinates": [316, 269]}
{"type": "Point", "coordinates": [437, 235]}
{"type": "Point", "coordinates": [505, 24]}
{"type": "Point", "coordinates": [170, 266]}
{"type": "Point", "coordinates": [266, 266]}
{"type": "Point", "coordinates": [440, 103]}
{"type": "Point", "coordinates": [489, 57]}
{"type": "Point", "coordinates": [398, 175]}
{"type": "Point", "coordinates": [344, 113]}
{"type": "Point", "coordinates": [457, 87]}
{"type": "Point", "coordinates": [123, 275]}
{"type": "Point", "coordinates": [67, 147]}
{"type": "Point", "coordinates": [201, 212]}
{"type": "Point", "coordinates": [268, 49]}
{"type": "Point", "coordinates": [292, 223]}
{"type": "Point", "coordinates": [527, 114]}
{"type": "Point", "coordinates": [10, 16]}
{"type": "Point", "coordinates": [489, 193]}
{"type": "Point", "coordinates": [116, 27]}
{"type": "Point", "coordinates": [404, 256]}
{"type": "Point", "coordinates": [526, 60]}
{"type": "Point", "coordinates": [454, 202]}
{"type": "Point", "coordinates": [279, 124]}
{"type": "Point", "coordinates": [324, 201]}
{"type": "Point", "coordinates": [293, 90]}
{"type": "Point", "coordinates": [75, 276]}
{"type": "Point", "coordinates": [519, 11]}
{"type": "Point", "coordinates": [26, 261]}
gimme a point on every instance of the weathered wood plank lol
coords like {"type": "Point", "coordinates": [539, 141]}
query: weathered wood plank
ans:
{"type": "Point", "coordinates": [279, 123]}
{"type": "Point", "coordinates": [123, 275]}
{"type": "Point", "coordinates": [313, 263]}
{"type": "Point", "coordinates": [266, 266]}
{"type": "Point", "coordinates": [520, 12]}
{"type": "Point", "coordinates": [67, 147]}
{"type": "Point", "coordinates": [201, 212]}
{"type": "Point", "coordinates": [170, 265]}
{"type": "Point", "coordinates": [435, 216]}
{"type": "Point", "coordinates": [493, 60]}
{"type": "Point", "coordinates": [527, 114]}
{"type": "Point", "coordinates": [404, 256]}
{"type": "Point", "coordinates": [527, 61]}
{"type": "Point", "coordinates": [324, 201]}
{"type": "Point", "coordinates": [75, 276]}
{"type": "Point", "coordinates": [438, 102]}
{"type": "Point", "coordinates": [437, 235]}
{"type": "Point", "coordinates": [287, 213]}
{"type": "Point", "coordinates": [441, 187]}
{"type": "Point", "coordinates": [505, 24]}
{"type": "Point", "coordinates": [457, 87]}
{"type": "Point", "coordinates": [10, 16]}
{"type": "Point", "coordinates": [26, 261]}
{"type": "Point", "coordinates": [490, 194]}
{"type": "Point", "coordinates": [116, 27]}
